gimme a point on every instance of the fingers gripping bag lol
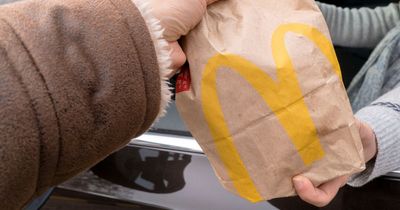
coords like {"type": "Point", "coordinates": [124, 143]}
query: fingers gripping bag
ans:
{"type": "Point", "coordinates": [264, 97]}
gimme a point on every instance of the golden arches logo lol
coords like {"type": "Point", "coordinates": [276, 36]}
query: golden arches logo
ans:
{"type": "Point", "coordinates": [283, 97]}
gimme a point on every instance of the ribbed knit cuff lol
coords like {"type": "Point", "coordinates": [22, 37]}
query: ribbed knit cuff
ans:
{"type": "Point", "coordinates": [384, 119]}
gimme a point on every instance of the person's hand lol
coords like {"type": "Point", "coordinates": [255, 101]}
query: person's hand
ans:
{"type": "Point", "coordinates": [323, 194]}
{"type": "Point", "coordinates": [178, 17]}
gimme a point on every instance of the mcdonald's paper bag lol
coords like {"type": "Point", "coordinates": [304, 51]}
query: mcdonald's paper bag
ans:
{"type": "Point", "coordinates": [264, 97]}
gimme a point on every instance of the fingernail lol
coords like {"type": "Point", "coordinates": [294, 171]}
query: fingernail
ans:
{"type": "Point", "coordinates": [298, 182]}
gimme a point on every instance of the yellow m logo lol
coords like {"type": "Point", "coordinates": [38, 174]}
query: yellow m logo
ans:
{"type": "Point", "coordinates": [283, 97]}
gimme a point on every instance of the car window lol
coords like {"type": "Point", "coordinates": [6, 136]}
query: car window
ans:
{"type": "Point", "coordinates": [171, 123]}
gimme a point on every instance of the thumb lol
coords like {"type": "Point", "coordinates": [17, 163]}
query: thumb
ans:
{"type": "Point", "coordinates": [178, 57]}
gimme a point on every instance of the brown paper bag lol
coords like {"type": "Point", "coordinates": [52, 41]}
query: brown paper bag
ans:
{"type": "Point", "coordinates": [264, 97]}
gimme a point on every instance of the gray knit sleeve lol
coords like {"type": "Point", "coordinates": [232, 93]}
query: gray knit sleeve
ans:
{"type": "Point", "coordinates": [363, 27]}
{"type": "Point", "coordinates": [383, 116]}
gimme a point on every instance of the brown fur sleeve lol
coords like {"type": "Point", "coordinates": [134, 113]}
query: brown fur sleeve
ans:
{"type": "Point", "coordinates": [78, 79]}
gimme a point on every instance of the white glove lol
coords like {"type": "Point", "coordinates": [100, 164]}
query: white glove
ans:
{"type": "Point", "coordinates": [178, 17]}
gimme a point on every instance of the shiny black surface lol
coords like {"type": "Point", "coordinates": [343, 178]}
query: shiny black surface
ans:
{"type": "Point", "coordinates": [383, 193]}
{"type": "Point", "coordinates": [161, 172]}
{"type": "Point", "coordinates": [67, 200]}
{"type": "Point", "coordinates": [123, 179]}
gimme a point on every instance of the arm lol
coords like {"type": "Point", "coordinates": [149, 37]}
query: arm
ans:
{"type": "Point", "coordinates": [78, 80]}
{"type": "Point", "coordinates": [383, 116]}
{"type": "Point", "coordinates": [380, 135]}
{"type": "Point", "coordinates": [362, 27]}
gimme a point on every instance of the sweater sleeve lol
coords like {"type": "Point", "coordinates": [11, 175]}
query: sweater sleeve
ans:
{"type": "Point", "coordinates": [78, 80]}
{"type": "Point", "coordinates": [383, 116]}
{"type": "Point", "coordinates": [363, 27]}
